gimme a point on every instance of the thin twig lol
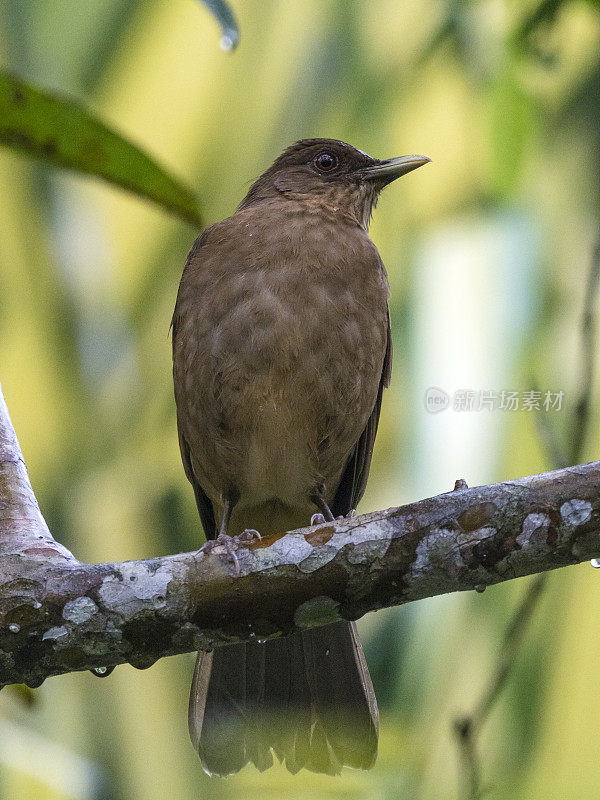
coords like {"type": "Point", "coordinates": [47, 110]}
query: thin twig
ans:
{"type": "Point", "coordinates": [513, 639]}
{"type": "Point", "coordinates": [581, 412]}
{"type": "Point", "coordinates": [551, 440]}
{"type": "Point", "coordinates": [463, 727]}
{"type": "Point", "coordinates": [468, 727]}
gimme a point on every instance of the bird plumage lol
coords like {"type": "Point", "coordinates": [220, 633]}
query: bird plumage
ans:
{"type": "Point", "coordinates": [281, 352]}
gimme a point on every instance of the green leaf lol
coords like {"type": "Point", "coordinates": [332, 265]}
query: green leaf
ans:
{"type": "Point", "coordinates": [230, 34]}
{"type": "Point", "coordinates": [62, 133]}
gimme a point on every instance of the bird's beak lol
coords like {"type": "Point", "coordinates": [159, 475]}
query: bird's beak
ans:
{"type": "Point", "coordinates": [393, 168]}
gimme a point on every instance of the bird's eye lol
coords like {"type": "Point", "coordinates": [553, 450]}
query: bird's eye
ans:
{"type": "Point", "coordinates": [326, 162]}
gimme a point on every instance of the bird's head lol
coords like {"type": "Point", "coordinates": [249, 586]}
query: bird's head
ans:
{"type": "Point", "coordinates": [330, 175]}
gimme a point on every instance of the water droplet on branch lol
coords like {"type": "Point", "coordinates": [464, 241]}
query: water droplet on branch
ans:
{"type": "Point", "coordinates": [102, 672]}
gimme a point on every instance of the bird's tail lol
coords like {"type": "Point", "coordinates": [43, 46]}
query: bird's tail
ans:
{"type": "Point", "coordinates": [307, 697]}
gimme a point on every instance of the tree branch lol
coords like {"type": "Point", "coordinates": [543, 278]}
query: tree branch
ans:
{"type": "Point", "coordinates": [58, 615]}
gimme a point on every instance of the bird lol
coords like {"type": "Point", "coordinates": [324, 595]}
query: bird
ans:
{"type": "Point", "coordinates": [281, 352]}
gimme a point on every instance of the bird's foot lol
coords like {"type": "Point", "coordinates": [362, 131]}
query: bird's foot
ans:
{"type": "Point", "coordinates": [225, 541]}
{"type": "Point", "coordinates": [319, 519]}
{"type": "Point", "coordinates": [249, 535]}
{"type": "Point", "coordinates": [231, 544]}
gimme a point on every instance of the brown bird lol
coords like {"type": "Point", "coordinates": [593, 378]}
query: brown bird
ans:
{"type": "Point", "coordinates": [281, 352]}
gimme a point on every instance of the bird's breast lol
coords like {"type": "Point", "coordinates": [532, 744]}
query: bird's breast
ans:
{"type": "Point", "coordinates": [283, 358]}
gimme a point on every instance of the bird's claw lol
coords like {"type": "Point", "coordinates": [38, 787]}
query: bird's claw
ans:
{"type": "Point", "coordinates": [319, 519]}
{"type": "Point", "coordinates": [231, 543]}
{"type": "Point", "coordinates": [248, 535]}
{"type": "Point", "coordinates": [225, 541]}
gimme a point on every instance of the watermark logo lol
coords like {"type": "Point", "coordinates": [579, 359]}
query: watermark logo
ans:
{"type": "Point", "coordinates": [437, 400]}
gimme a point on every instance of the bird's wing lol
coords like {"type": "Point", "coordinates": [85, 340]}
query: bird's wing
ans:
{"type": "Point", "coordinates": [205, 507]}
{"type": "Point", "coordinates": [354, 478]}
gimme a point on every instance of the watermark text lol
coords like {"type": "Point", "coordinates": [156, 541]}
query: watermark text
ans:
{"type": "Point", "coordinates": [437, 400]}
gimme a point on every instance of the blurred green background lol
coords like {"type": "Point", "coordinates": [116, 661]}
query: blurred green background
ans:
{"type": "Point", "coordinates": [487, 249]}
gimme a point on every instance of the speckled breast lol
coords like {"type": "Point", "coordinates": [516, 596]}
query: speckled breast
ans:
{"type": "Point", "coordinates": [281, 344]}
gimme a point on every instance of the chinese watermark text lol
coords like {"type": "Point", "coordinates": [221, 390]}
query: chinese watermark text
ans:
{"type": "Point", "coordinates": [437, 400]}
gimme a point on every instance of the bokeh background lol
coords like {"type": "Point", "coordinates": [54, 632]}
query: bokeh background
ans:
{"type": "Point", "coordinates": [488, 250]}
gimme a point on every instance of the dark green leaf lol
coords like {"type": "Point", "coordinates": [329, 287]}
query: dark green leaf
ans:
{"type": "Point", "coordinates": [544, 14]}
{"type": "Point", "coordinates": [62, 133]}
